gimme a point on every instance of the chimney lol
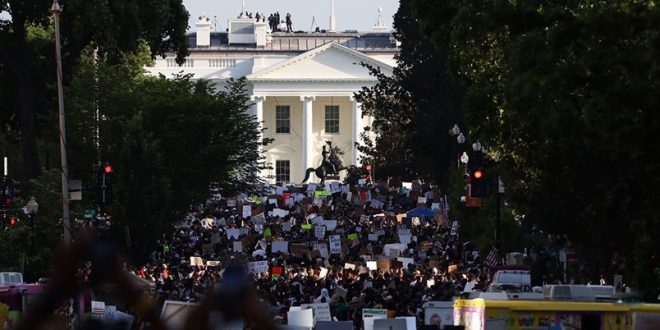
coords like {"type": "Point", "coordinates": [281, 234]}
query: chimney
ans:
{"type": "Point", "coordinates": [204, 27]}
{"type": "Point", "coordinates": [333, 20]}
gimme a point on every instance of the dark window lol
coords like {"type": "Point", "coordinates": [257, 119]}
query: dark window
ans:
{"type": "Point", "coordinates": [282, 171]}
{"type": "Point", "coordinates": [282, 119]}
{"type": "Point", "coordinates": [332, 119]}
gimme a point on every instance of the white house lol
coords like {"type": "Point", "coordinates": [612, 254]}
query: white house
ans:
{"type": "Point", "coordinates": [302, 84]}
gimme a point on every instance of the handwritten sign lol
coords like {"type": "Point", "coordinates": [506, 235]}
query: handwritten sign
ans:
{"type": "Point", "coordinates": [335, 243]}
{"type": "Point", "coordinates": [257, 267]}
{"type": "Point", "coordinates": [319, 232]}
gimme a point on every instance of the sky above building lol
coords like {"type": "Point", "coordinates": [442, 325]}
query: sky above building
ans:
{"type": "Point", "coordinates": [350, 14]}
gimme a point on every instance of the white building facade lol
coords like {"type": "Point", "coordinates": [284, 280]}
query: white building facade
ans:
{"type": "Point", "coordinates": [301, 85]}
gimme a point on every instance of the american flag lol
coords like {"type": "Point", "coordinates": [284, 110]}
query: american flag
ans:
{"type": "Point", "coordinates": [493, 258]}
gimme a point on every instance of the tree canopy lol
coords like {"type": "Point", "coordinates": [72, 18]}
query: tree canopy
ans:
{"type": "Point", "coordinates": [565, 95]}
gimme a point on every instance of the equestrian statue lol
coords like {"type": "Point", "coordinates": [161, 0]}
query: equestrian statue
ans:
{"type": "Point", "coordinates": [330, 166]}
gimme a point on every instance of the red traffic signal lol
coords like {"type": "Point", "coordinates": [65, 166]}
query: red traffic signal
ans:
{"type": "Point", "coordinates": [12, 220]}
{"type": "Point", "coordinates": [478, 174]}
{"type": "Point", "coordinates": [107, 169]}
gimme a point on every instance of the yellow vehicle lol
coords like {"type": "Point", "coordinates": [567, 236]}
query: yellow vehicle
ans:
{"type": "Point", "coordinates": [509, 314]}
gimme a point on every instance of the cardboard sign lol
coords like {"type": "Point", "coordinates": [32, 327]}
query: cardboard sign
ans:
{"type": "Point", "coordinates": [383, 264]}
{"type": "Point", "coordinates": [238, 246]}
{"type": "Point", "coordinates": [319, 232]}
{"type": "Point", "coordinates": [335, 243]}
{"type": "Point", "coordinates": [212, 263]}
{"type": "Point", "coordinates": [452, 268]}
{"type": "Point", "coordinates": [280, 246]}
{"type": "Point", "coordinates": [257, 267]}
{"type": "Point", "coordinates": [196, 261]}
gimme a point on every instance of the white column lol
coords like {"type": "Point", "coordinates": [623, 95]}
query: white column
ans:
{"type": "Point", "coordinates": [357, 129]}
{"type": "Point", "coordinates": [308, 134]}
{"type": "Point", "coordinates": [258, 112]}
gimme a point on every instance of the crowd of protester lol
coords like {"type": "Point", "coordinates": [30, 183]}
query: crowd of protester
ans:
{"type": "Point", "coordinates": [307, 272]}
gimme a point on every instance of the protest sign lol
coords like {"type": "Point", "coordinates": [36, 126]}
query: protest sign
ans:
{"type": "Point", "coordinates": [272, 201]}
{"type": "Point", "coordinates": [364, 219]}
{"type": "Point", "coordinates": [280, 246]}
{"type": "Point", "coordinates": [330, 225]}
{"type": "Point", "coordinates": [196, 261]}
{"type": "Point", "coordinates": [370, 314]}
{"type": "Point", "coordinates": [341, 292]}
{"type": "Point", "coordinates": [323, 252]}
{"type": "Point", "coordinates": [322, 193]}
{"type": "Point", "coordinates": [372, 265]}
{"type": "Point", "coordinates": [323, 273]}
{"type": "Point", "coordinates": [405, 238]}
{"type": "Point", "coordinates": [376, 204]}
{"type": "Point", "coordinates": [352, 236]}
{"type": "Point", "coordinates": [238, 246]}
{"type": "Point", "coordinates": [390, 324]}
{"type": "Point", "coordinates": [247, 211]}
{"type": "Point", "coordinates": [306, 226]}
{"type": "Point", "coordinates": [335, 243]}
{"type": "Point", "coordinates": [319, 232]}
{"type": "Point", "coordinates": [349, 266]}
{"type": "Point", "coordinates": [405, 261]}
{"type": "Point", "coordinates": [98, 310]}
{"type": "Point", "coordinates": [317, 220]}
{"type": "Point", "coordinates": [383, 264]}
{"type": "Point", "coordinates": [235, 233]}
{"type": "Point", "coordinates": [321, 311]}
{"type": "Point", "coordinates": [303, 318]}
{"type": "Point", "coordinates": [373, 237]}
{"type": "Point", "coordinates": [452, 268]}
{"type": "Point", "coordinates": [280, 213]}
{"type": "Point", "coordinates": [286, 226]}
{"type": "Point", "coordinates": [257, 267]}
{"type": "Point", "coordinates": [212, 263]}
{"type": "Point", "coordinates": [231, 202]}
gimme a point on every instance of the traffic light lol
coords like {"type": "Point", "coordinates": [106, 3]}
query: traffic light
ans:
{"type": "Point", "coordinates": [106, 174]}
{"type": "Point", "coordinates": [12, 220]}
{"type": "Point", "coordinates": [477, 183]}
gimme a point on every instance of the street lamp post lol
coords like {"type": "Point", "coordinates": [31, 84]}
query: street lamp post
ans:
{"type": "Point", "coordinates": [56, 10]}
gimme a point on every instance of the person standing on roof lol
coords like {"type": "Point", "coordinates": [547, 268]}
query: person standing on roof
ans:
{"type": "Point", "coordinates": [288, 23]}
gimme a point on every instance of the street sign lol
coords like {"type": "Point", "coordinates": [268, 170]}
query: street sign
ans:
{"type": "Point", "coordinates": [89, 213]}
{"type": "Point", "coordinates": [75, 190]}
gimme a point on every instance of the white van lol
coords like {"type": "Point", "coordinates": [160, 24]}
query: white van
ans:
{"type": "Point", "coordinates": [511, 281]}
{"type": "Point", "coordinates": [10, 278]}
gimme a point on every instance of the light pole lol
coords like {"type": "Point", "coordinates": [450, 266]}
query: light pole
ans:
{"type": "Point", "coordinates": [56, 10]}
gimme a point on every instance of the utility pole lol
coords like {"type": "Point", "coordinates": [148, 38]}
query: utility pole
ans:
{"type": "Point", "coordinates": [56, 10]}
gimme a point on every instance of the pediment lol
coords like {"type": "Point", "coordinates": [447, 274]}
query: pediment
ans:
{"type": "Point", "coordinates": [330, 62]}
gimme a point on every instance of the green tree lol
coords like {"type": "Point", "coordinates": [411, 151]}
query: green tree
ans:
{"type": "Point", "coordinates": [413, 109]}
{"type": "Point", "coordinates": [565, 95]}
{"type": "Point", "coordinates": [167, 139]}
{"type": "Point", "coordinates": [114, 27]}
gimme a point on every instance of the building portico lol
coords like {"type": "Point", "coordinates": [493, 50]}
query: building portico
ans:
{"type": "Point", "coordinates": [304, 102]}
